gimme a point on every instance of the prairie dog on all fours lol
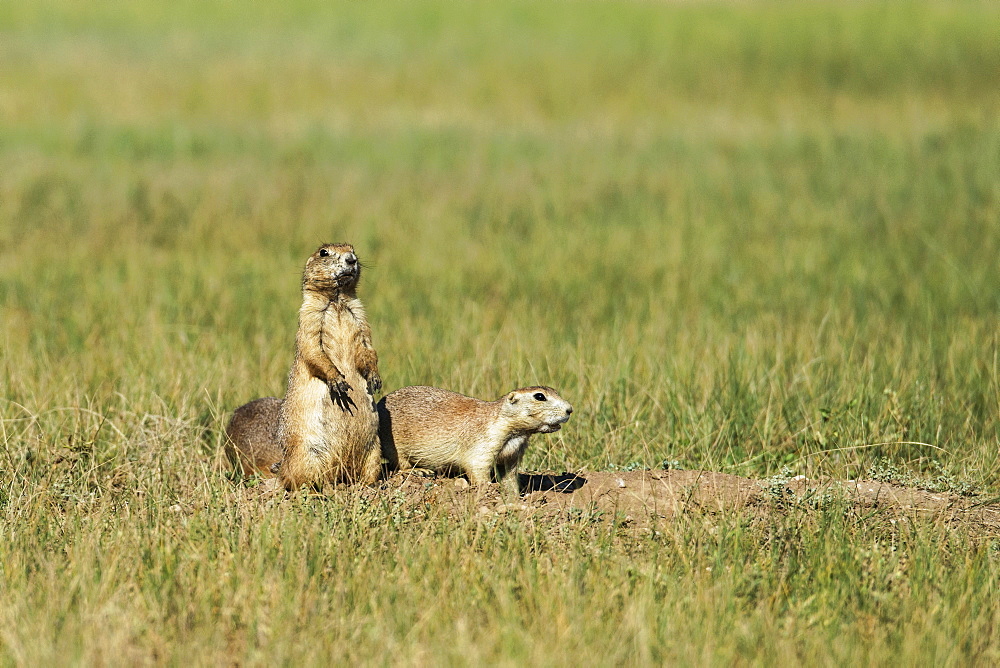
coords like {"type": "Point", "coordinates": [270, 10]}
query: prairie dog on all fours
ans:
{"type": "Point", "coordinates": [427, 427]}
{"type": "Point", "coordinates": [327, 424]}
{"type": "Point", "coordinates": [251, 442]}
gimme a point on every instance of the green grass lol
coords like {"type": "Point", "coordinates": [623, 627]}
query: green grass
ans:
{"type": "Point", "coordinates": [736, 236]}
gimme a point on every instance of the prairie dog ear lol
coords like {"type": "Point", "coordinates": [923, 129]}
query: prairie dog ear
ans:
{"type": "Point", "coordinates": [512, 398]}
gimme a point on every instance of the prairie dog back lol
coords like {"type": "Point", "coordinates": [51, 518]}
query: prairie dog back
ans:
{"type": "Point", "coordinates": [251, 440]}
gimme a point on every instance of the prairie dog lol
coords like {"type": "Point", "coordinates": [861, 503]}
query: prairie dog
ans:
{"type": "Point", "coordinates": [251, 441]}
{"type": "Point", "coordinates": [327, 426]}
{"type": "Point", "coordinates": [426, 427]}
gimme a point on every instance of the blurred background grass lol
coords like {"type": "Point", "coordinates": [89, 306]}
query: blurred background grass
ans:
{"type": "Point", "coordinates": [737, 235]}
{"type": "Point", "coordinates": [733, 234]}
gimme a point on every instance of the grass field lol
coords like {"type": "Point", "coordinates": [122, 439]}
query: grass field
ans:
{"type": "Point", "coordinates": [739, 236]}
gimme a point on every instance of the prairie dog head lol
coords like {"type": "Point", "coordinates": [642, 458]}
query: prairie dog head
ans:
{"type": "Point", "coordinates": [536, 409]}
{"type": "Point", "coordinates": [332, 267]}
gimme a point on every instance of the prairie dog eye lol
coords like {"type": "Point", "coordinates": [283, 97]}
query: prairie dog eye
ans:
{"type": "Point", "coordinates": [539, 396]}
{"type": "Point", "coordinates": [324, 252]}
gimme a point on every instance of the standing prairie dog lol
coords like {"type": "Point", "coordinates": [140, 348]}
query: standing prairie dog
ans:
{"type": "Point", "coordinates": [326, 427]}
{"type": "Point", "coordinates": [426, 427]}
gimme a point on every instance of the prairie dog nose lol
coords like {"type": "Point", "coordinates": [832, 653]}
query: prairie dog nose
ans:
{"type": "Point", "coordinates": [350, 258]}
{"type": "Point", "coordinates": [569, 410]}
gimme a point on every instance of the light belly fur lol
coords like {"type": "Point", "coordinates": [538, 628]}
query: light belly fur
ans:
{"type": "Point", "coordinates": [330, 422]}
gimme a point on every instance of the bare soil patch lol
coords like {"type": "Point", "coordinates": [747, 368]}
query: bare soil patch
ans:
{"type": "Point", "coordinates": [643, 498]}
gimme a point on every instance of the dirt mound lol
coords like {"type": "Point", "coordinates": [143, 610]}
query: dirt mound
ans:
{"type": "Point", "coordinates": [642, 498]}
{"type": "Point", "coordinates": [646, 496]}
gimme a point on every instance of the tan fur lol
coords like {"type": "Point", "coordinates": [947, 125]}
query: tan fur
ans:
{"type": "Point", "coordinates": [327, 423]}
{"type": "Point", "coordinates": [426, 427]}
{"type": "Point", "coordinates": [326, 427]}
{"type": "Point", "coordinates": [252, 436]}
